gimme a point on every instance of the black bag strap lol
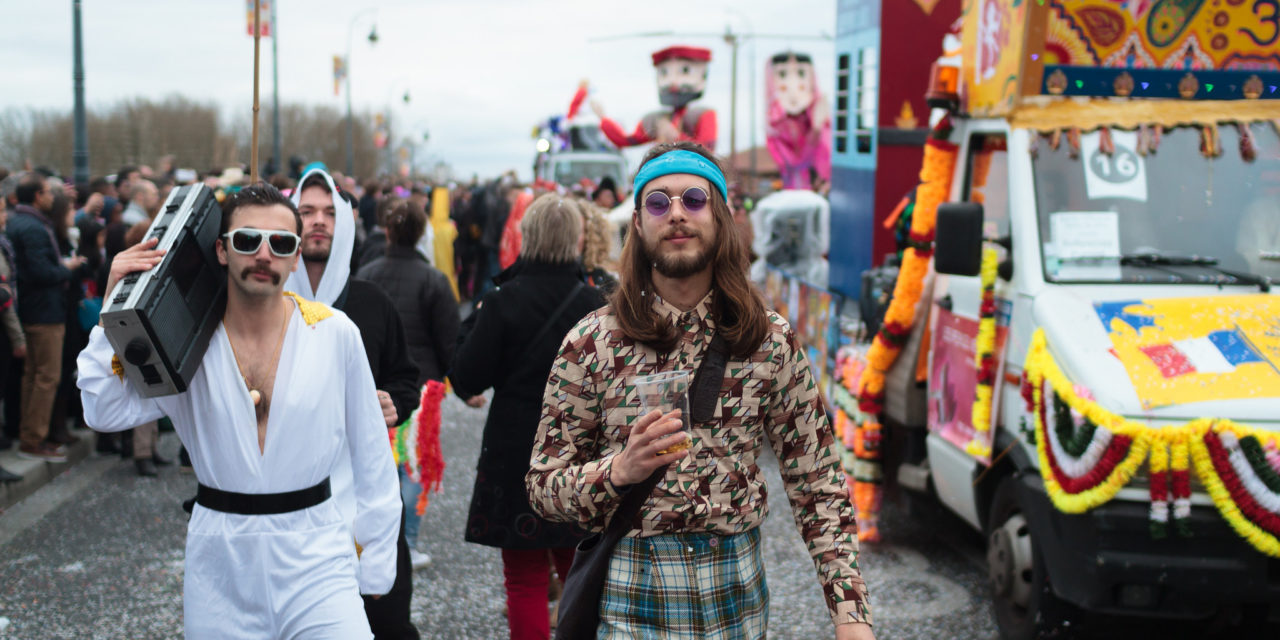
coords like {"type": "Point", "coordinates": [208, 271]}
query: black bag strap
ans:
{"type": "Point", "coordinates": [704, 392]}
{"type": "Point", "coordinates": [555, 315]}
{"type": "Point", "coordinates": [621, 522]}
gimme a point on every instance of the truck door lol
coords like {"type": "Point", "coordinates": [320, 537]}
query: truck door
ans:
{"type": "Point", "coordinates": [954, 323]}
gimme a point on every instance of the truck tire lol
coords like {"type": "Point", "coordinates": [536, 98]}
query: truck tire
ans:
{"type": "Point", "coordinates": [1024, 604]}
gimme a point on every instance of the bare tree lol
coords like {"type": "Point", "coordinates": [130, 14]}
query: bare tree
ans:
{"type": "Point", "coordinates": [141, 131]}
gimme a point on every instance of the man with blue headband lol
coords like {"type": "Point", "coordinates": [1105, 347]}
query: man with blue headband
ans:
{"type": "Point", "coordinates": [691, 566]}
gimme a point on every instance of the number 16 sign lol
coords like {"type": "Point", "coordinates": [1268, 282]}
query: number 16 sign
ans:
{"type": "Point", "coordinates": [1121, 174]}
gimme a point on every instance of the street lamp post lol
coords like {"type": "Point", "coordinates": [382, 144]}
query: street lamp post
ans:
{"type": "Point", "coordinates": [751, 30]}
{"type": "Point", "coordinates": [387, 121]}
{"type": "Point", "coordinates": [80, 153]}
{"type": "Point", "coordinates": [731, 39]}
{"type": "Point", "coordinates": [275, 92]}
{"type": "Point", "coordinates": [373, 39]}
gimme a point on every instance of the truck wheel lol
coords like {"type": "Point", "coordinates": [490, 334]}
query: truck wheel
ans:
{"type": "Point", "coordinates": [1024, 604]}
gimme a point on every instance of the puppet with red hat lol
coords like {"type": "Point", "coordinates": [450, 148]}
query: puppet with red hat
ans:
{"type": "Point", "coordinates": [682, 76]}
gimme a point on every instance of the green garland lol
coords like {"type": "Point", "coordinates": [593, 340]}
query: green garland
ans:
{"type": "Point", "coordinates": [1074, 441]}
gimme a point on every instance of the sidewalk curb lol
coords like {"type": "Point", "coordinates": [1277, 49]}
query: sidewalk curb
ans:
{"type": "Point", "coordinates": [37, 473]}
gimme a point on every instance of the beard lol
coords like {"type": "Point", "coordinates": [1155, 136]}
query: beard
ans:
{"type": "Point", "coordinates": [678, 266]}
{"type": "Point", "coordinates": [679, 97]}
{"type": "Point", "coordinates": [315, 254]}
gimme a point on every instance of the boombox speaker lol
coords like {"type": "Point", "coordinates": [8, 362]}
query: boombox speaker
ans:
{"type": "Point", "coordinates": [160, 321]}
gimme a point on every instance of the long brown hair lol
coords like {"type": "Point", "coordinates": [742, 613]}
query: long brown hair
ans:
{"type": "Point", "coordinates": [739, 311]}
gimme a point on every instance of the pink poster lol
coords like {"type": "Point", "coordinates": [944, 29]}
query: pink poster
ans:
{"type": "Point", "coordinates": [953, 378]}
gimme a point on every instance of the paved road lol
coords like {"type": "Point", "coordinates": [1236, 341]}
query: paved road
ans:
{"type": "Point", "coordinates": [97, 553]}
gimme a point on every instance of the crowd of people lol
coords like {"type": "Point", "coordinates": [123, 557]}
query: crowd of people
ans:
{"type": "Point", "coordinates": [63, 280]}
{"type": "Point", "coordinates": [545, 284]}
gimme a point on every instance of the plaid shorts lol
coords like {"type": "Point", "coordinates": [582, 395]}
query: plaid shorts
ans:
{"type": "Point", "coordinates": [685, 587]}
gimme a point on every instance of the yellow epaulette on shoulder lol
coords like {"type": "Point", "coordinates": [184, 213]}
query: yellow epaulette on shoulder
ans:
{"type": "Point", "coordinates": [312, 311]}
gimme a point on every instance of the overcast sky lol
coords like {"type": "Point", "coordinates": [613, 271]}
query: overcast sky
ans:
{"type": "Point", "coordinates": [480, 73]}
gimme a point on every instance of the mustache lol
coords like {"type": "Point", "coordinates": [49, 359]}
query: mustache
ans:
{"type": "Point", "coordinates": [248, 271]}
{"type": "Point", "coordinates": [681, 230]}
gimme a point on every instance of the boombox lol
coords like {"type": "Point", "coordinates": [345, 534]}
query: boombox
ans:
{"type": "Point", "coordinates": [160, 321]}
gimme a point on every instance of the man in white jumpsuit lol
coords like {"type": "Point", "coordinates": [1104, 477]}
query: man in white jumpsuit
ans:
{"type": "Point", "coordinates": [268, 553]}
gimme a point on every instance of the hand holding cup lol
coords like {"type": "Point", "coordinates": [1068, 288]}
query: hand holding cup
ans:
{"type": "Point", "coordinates": [661, 435]}
{"type": "Point", "coordinates": [652, 434]}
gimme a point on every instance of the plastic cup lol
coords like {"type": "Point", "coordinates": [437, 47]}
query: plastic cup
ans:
{"type": "Point", "coordinates": [666, 392]}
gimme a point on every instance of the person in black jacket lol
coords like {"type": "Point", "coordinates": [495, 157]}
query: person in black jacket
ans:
{"type": "Point", "coordinates": [42, 282]}
{"type": "Point", "coordinates": [328, 236]}
{"type": "Point", "coordinates": [67, 401]}
{"type": "Point", "coordinates": [421, 293]}
{"type": "Point", "coordinates": [429, 312]}
{"type": "Point", "coordinates": [509, 343]}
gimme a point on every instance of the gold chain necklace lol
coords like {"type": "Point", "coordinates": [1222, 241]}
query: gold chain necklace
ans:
{"type": "Point", "coordinates": [254, 394]}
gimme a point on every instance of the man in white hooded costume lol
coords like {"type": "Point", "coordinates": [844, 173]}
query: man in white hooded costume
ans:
{"type": "Point", "coordinates": [328, 236]}
{"type": "Point", "coordinates": [268, 554]}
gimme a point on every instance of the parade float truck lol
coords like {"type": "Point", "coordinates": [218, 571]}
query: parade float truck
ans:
{"type": "Point", "coordinates": [1081, 356]}
{"type": "Point", "coordinates": [576, 153]}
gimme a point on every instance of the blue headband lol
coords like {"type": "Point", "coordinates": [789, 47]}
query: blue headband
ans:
{"type": "Point", "coordinates": [680, 161]}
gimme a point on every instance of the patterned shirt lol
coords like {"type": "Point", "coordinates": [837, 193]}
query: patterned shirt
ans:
{"type": "Point", "coordinates": [590, 404]}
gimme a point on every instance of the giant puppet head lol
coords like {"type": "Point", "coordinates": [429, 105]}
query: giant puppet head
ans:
{"type": "Point", "coordinates": [682, 74]}
{"type": "Point", "coordinates": [791, 81]}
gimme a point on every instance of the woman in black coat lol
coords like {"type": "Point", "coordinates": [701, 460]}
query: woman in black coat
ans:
{"type": "Point", "coordinates": [509, 343]}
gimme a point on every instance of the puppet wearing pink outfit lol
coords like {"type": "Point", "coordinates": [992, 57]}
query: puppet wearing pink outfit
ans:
{"type": "Point", "coordinates": [799, 135]}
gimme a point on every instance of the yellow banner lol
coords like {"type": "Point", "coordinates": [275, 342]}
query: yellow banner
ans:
{"type": "Point", "coordinates": [992, 47]}
{"type": "Point", "coordinates": [1184, 350]}
{"type": "Point", "coordinates": [1168, 34]}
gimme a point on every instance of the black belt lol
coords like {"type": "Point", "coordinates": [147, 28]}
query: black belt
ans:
{"type": "Point", "coordinates": [261, 504]}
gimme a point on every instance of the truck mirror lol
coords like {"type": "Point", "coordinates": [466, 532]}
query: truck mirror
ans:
{"type": "Point", "coordinates": [958, 243]}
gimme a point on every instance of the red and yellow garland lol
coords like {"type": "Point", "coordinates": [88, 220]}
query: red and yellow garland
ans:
{"type": "Point", "coordinates": [415, 443]}
{"type": "Point", "coordinates": [1238, 465]}
{"type": "Point", "coordinates": [984, 359]}
{"type": "Point", "coordinates": [935, 178]}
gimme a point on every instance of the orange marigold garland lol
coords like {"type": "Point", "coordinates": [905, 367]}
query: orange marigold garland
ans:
{"type": "Point", "coordinates": [861, 457]}
{"type": "Point", "coordinates": [935, 178]}
{"type": "Point", "coordinates": [868, 490]}
{"type": "Point", "coordinates": [984, 359]}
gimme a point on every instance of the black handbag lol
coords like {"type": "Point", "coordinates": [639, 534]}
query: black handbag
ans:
{"type": "Point", "coordinates": [579, 612]}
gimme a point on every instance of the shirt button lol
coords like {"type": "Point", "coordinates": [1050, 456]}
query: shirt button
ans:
{"type": "Point", "coordinates": [715, 542]}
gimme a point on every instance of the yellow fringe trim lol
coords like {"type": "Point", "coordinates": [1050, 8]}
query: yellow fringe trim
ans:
{"type": "Point", "coordinates": [1088, 114]}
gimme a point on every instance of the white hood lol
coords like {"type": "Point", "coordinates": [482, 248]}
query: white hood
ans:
{"type": "Point", "coordinates": [338, 268]}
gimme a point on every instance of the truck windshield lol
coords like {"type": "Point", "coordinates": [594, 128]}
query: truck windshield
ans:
{"type": "Point", "coordinates": [1200, 215]}
{"type": "Point", "coordinates": [572, 171]}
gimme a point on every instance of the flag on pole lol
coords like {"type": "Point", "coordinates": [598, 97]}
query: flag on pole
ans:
{"type": "Point", "coordinates": [379, 131]}
{"type": "Point", "coordinates": [264, 18]}
{"type": "Point", "coordinates": [339, 73]}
